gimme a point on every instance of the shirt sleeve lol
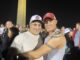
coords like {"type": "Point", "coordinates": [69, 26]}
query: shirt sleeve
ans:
{"type": "Point", "coordinates": [17, 43]}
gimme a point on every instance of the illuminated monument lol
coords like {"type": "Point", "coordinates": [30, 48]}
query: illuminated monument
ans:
{"type": "Point", "coordinates": [21, 13]}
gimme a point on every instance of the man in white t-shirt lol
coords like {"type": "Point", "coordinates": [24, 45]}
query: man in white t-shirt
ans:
{"type": "Point", "coordinates": [29, 40]}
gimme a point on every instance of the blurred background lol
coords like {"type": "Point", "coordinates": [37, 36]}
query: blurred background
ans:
{"type": "Point", "coordinates": [67, 12]}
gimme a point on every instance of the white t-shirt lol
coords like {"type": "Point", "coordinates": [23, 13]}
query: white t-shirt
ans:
{"type": "Point", "coordinates": [26, 42]}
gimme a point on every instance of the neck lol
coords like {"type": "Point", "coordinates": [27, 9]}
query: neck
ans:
{"type": "Point", "coordinates": [52, 31]}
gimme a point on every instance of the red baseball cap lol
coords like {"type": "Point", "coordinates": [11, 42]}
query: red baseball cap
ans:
{"type": "Point", "coordinates": [49, 16]}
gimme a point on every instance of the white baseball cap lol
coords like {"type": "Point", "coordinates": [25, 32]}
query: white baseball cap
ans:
{"type": "Point", "coordinates": [35, 18]}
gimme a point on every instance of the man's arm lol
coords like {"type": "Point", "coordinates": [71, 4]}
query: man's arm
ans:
{"type": "Point", "coordinates": [48, 47]}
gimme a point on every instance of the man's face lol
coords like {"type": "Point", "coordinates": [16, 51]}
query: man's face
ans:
{"type": "Point", "coordinates": [50, 25]}
{"type": "Point", "coordinates": [35, 27]}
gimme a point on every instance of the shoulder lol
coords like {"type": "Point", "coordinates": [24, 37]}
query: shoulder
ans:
{"type": "Point", "coordinates": [57, 40]}
{"type": "Point", "coordinates": [60, 37]}
{"type": "Point", "coordinates": [19, 38]}
{"type": "Point", "coordinates": [21, 35]}
{"type": "Point", "coordinates": [57, 34]}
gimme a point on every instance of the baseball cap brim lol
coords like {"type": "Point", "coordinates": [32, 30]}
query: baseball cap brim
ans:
{"type": "Point", "coordinates": [37, 21]}
{"type": "Point", "coordinates": [35, 18]}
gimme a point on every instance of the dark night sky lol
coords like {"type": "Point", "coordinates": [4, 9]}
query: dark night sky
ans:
{"type": "Point", "coordinates": [67, 12]}
{"type": "Point", "coordinates": [8, 10]}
